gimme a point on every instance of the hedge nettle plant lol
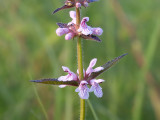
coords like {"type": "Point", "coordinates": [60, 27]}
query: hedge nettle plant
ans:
{"type": "Point", "coordinates": [82, 79]}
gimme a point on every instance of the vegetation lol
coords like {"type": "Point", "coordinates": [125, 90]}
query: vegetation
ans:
{"type": "Point", "coordinates": [30, 49]}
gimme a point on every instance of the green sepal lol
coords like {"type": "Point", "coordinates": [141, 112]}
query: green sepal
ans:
{"type": "Point", "coordinates": [55, 81]}
{"type": "Point", "coordinates": [106, 66]}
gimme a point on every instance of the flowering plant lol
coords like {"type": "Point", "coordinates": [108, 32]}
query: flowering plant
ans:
{"type": "Point", "coordinates": [83, 78]}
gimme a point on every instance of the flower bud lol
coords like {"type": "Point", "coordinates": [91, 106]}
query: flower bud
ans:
{"type": "Point", "coordinates": [78, 5]}
{"type": "Point", "coordinates": [62, 31]}
{"type": "Point", "coordinates": [69, 36]}
{"type": "Point", "coordinates": [97, 31]}
{"type": "Point", "coordinates": [72, 14]}
{"type": "Point", "coordinates": [85, 4]}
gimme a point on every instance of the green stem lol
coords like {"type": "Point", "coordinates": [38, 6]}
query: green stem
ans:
{"type": "Point", "coordinates": [80, 64]}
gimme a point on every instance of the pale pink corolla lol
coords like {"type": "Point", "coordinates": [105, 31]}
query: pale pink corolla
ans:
{"type": "Point", "coordinates": [73, 16]}
{"type": "Point", "coordinates": [97, 31]}
{"type": "Point", "coordinates": [71, 76]}
{"type": "Point", "coordinates": [62, 31]}
{"type": "Point", "coordinates": [85, 4]}
{"type": "Point", "coordinates": [83, 90]}
{"type": "Point", "coordinates": [84, 28]}
{"type": "Point", "coordinates": [78, 5]}
{"type": "Point", "coordinates": [90, 67]}
{"type": "Point", "coordinates": [69, 36]}
{"type": "Point", "coordinates": [96, 87]}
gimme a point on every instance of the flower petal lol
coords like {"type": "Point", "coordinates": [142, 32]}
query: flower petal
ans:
{"type": "Point", "coordinates": [96, 88]}
{"type": "Point", "coordinates": [99, 81]}
{"type": "Point", "coordinates": [91, 65]}
{"type": "Point", "coordinates": [83, 90]}
{"type": "Point", "coordinates": [62, 86]}
{"type": "Point", "coordinates": [65, 69]}
{"type": "Point", "coordinates": [98, 91]}
{"type": "Point", "coordinates": [72, 14]}
{"type": "Point", "coordinates": [98, 69]}
{"type": "Point", "coordinates": [77, 89]}
{"type": "Point", "coordinates": [62, 78]}
{"type": "Point", "coordinates": [78, 5]}
{"type": "Point", "coordinates": [93, 62]}
{"type": "Point", "coordinates": [69, 36]}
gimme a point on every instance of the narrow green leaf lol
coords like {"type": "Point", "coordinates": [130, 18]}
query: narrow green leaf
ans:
{"type": "Point", "coordinates": [55, 81]}
{"type": "Point", "coordinates": [106, 66]}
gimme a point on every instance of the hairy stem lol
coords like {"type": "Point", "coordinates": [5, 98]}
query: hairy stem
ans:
{"type": "Point", "coordinates": [80, 64]}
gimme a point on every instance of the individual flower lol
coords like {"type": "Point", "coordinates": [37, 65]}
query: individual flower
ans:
{"type": "Point", "coordinates": [96, 88]}
{"type": "Point", "coordinates": [90, 67]}
{"type": "Point", "coordinates": [84, 28]}
{"type": "Point", "coordinates": [74, 3]}
{"type": "Point", "coordinates": [73, 16]}
{"type": "Point", "coordinates": [69, 77]}
{"type": "Point", "coordinates": [83, 90]}
{"type": "Point", "coordinates": [84, 31]}
{"type": "Point", "coordinates": [78, 5]}
{"type": "Point", "coordinates": [97, 31]}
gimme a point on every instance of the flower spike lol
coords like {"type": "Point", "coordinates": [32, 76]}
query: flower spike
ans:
{"type": "Point", "coordinates": [72, 79]}
{"type": "Point", "coordinates": [84, 31]}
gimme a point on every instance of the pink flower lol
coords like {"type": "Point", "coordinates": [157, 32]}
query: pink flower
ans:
{"type": "Point", "coordinates": [96, 88]}
{"type": "Point", "coordinates": [73, 16]}
{"type": "Point", "coordinates": [71, 76]}
{"type": "Point", "coordinates": [62, 31]}
{"type": "Point", "coordinates": [84, 28]}
{"type": "Point", "coordinates": [84, 31]}
{"type": "Point", "coordinates": [78, 5]}
{"type": "Point", "coordinates": [90, 67]}
{"type": "Point", "coordinates": [85, 4]}
{"type": "Point", "coordinates": [83, 90]}
{"type": "Point", "coordinates": [97, 31]}
{"type": "Point", "coordinates": [69, 36]}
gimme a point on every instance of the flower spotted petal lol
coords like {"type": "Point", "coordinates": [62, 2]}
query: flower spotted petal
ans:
{"type": "Point", "coordinates": [84, 28]}
{"type": "Point", "coordinates": [83, 90]}
{"type": "Point", "coordinates": [96, 88]}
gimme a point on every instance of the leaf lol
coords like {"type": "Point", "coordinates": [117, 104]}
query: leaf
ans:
{"type": "Point", "coordinates": [89, 1]}
{"type": "Point", "coordinates": [106, 67]}
{"type": "Point", "coordinates": [62, 25]}
{"type": "Point", "coordinates": [61, 8]}
{"type": "Point", "coordinates": [55, 81]}
{"type": "Point", "coordinates": [91, 37]}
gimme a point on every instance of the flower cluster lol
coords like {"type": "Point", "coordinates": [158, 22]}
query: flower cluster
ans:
{"type": "Point", "coordinates": [84, 30]}
{"type": "Point", "coordinates": [83, 88]}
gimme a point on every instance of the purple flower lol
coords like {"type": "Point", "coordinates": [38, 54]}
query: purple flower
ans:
{"type": "Point", "coordinates": [84, 28]}
{"type": "Point", "coordinates": [62, 31]}
{"type": "Point", "coordinates": [84, 31]}
{"type": "Point", "coordinates": [90, 67]}
{"type": "Point", "coordinates": [97, 31]}
{"type": "Point", "coordinates": [96, 88]}
{"type": "Point", "coordinates": [83, 90]}
{"type": "Point", "coordinates": [72, 79]}
{"type": "Point", "coordinates": [78, 5]}
{"type": "Point", "coordinates": [71, 76]}
{"type": "Point", "coordinates": [85, 3]}
{"type": "Point", "coordinates": [73, 16]}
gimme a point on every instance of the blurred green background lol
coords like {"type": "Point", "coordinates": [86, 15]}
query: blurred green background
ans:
{"type": "Point", "coordinates": [30, 49]}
